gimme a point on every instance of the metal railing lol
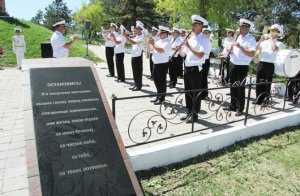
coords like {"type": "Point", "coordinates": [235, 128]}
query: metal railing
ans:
{"type": "Point", "coordinates": [156, 121]}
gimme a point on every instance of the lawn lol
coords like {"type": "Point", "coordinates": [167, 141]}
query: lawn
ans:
{"type": "Point", "coordinates": [266, 166]}
{"type": "Point", "coordinates": [34, 36]}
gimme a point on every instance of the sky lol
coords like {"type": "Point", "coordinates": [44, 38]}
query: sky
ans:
{"type": "Point", "coordinates": [26, 9]}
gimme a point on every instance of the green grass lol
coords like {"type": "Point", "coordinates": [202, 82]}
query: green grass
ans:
{"type": "Point", "coordinates": [266, 166]}
{"type": "Point", "coordinates": [34, 36]}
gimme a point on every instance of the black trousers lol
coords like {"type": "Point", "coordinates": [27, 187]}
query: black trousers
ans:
{"type": "Point", "coordinates": [294, 88]}
{"type": "Point", "coordinates": [174, 69]}
{"type": "Point", "coordinates": [238, 78]}
{"type": "Point", "coordinates": [192, 81]}
{"type": "Point", "coordinates": [204, 77]}
{"type": "Point", "coordinates": [225, 65]}
{"type": "Point", "coordinates": [137, 70]}
{"type": "Point", "coordinates": [180, 66]}
{"type": "Point", "coordinates": [264, 73]}
{"type": "Point", "coordinates": [151, 65]}
{"type": "Point", "coordinates": [120, 66]}
{"type": "Point", "coordinates": [109, 53]}
{"type": "Point", "coordinates": [160, 78]}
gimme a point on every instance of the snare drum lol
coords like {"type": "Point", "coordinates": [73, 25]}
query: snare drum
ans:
{"type": "Point", "coordinates": [287, 63]}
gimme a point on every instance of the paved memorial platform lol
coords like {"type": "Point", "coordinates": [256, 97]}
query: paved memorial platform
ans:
{"type": "Point", "coordinates": [219, 128]}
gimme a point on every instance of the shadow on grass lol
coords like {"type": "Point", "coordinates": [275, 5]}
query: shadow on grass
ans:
{"type": "Point", "coordinates": [144, 175]}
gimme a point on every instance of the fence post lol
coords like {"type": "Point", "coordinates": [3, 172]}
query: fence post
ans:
{"type": "Point", "coordinates": [114, 106]}
{"type": "Point", "coordinates": [248, 102]}
{"type": "Point", "coordinates": [285, 94]}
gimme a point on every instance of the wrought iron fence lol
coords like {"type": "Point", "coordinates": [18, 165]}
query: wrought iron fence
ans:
{"type": "Point", "coordinates": [158, 123]}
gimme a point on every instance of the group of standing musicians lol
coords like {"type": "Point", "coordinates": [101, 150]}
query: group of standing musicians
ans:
{"type": "Point", "coordinates": [176, 52]}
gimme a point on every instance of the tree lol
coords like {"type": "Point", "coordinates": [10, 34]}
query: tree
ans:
{"type": "Point", "coordinates": [58, 9]}
{"type": "Point", "coordinates": [38, 18]}
{"type": "Point", "coordinates": [132, 10]}
{"type": "Point", "coordinates": [93, 12]}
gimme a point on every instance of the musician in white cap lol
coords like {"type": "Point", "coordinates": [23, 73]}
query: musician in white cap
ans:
{"type": "Point", "coordinates": [19, 46]}
{"type": "Point", "coordinates": [267, 49]}
{"type": "Point", "coordinates": [109, 48]}
{"type": "Point", "coordinates": [155, 37]}
{"type": "Point", "coordinates": [137, 41]}
{"type": "Point", "coordinates": [60, 47]}
{"type": "Point", "coordinates": [175, 66]}
{"type": "Point", "coordinates": [119, 50]}
{"type": "Point", "coordinates": [161, 56]}
{"type": "Point", "coordinates": [206, 66]}
{"type": "Point", "coordinates": [225, 57]}
{"type": "Point", "coordinates": [242, 53]}
{"type": "Point", "coordinates": [194, 51]}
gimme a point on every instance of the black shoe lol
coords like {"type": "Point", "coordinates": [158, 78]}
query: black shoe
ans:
{"type": "Point", "coordinates": [184, 118]}
{"type": "Point", "coordinates": [132, 88]}
{"type": "Point", "coordinates": [110, 76]}
{"type": "Point", "coordinates": [159, 102]}
{"type": "Point", "coordinates": [228, 109]}
{"type": "Point", "coordinates": [154, 100]}
{"type": "Point", "coordinates": [256, 102]}
{"type": "Point", "coordinates": [136, 89]}
{"type": "Point", "coordinates": [192, 118]}
{"type": "Point", "coordinates": [238, 113]}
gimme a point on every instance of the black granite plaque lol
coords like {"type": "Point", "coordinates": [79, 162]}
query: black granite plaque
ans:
{"type": "Point", "coordinates": [78, 154]}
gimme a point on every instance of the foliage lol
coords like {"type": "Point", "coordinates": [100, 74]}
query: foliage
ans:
{"type": "Point", "coordinates": [38, 18]}
{"type": "Point", "coordinates": [93, 12]}
{"type": "Point", "coordinates": [58, 9]}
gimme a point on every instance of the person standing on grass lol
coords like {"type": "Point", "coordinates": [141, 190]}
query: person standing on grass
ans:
{"type": "Point", "coordinates": [60, 47]}
{"type": "Point", "coordinates": [137, 41]}
{"type": "Point", "coordinates": [19, 46]}
{"type": "Point", "coordinates": [1, 54]}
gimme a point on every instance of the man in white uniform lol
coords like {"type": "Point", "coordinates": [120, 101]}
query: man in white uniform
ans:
{"type": "Point", "coordinates": [155, 37]}
{"type": "Point", "coordinates": [225, 58]}
{"type": "Point", "coordinates": [267, 49]}
{"type": "Point", "coordinates": [176, 61]}
{"type": "Point", "coordinates": [242, 53]}
{"type": "Point", "coordinates": [206, 65]}
{"type": "Point", "coordinates": [137, 55]}
{"type": "Point", "coordinates": [19, 46]}
{"type": "Point", "coordinates": [60, 47]}
{"type": "Point", "coordinates": [109, 48]}
{"type": "Point", "coordinates": [119, 41]}
{"type": "Point", "coordinates": [194, 51]}
{"type": "Point", "coordinates": [161, 56]}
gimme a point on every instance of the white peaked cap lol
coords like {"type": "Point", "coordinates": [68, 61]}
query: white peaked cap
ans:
{"type": "Point", "coordinates": [278, 27]}
{"type": "Point", "coordinates": [62, 22]}
{"type": "Point", "coordinates": [177, 29]}
{"type": "Point", "coordinates": [230, 30]}
{"type": "Point", "coordinates": [154, 29]}
{"type": "Point", "coordinates": [199, 19]}
{"type": "Point", "coordinates": [113, 25]}
{"type": "Point", "coordinates": [246, 21]}
{"type": "Point", "coordinates": [139, 24]}
{"type": "Point", "coordinates": [164, 29]}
